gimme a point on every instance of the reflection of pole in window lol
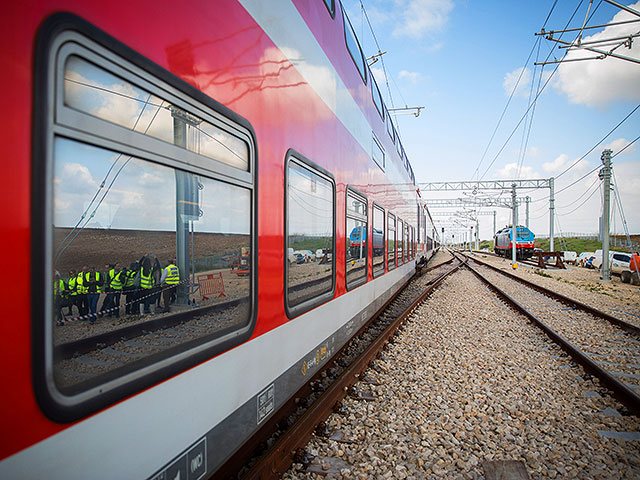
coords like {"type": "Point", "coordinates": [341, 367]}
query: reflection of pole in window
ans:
{"type": "Point", "coordinates": [187, 200]}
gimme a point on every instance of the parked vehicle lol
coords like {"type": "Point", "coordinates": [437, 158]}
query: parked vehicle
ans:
{"type": "Point", "coordinates": [632, 274]}
{"type": "Point", "coordinates": [570, 256]}
{"type": "Point", "coordinates": [583, 258]}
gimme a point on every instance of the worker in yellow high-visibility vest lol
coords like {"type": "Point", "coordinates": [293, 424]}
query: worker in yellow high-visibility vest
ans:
{"type": "Point", "coordinates": [169, 281]}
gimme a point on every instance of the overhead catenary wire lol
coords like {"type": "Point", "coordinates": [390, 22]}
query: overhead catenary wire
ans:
{"type": "Point", "coordinates": [600, 142]}
{"type": "Point", "coordinates": [540, 92]}
{"type": "Point", "coordinates": [62, 248]}
{"type": "Point", "coordinates": [579, 206]}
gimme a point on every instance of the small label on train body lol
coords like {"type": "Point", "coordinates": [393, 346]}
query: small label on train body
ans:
{"type": "Point", "coordinates": [266, 402]}
{"type": "Point", "coordinates": [190, 465]}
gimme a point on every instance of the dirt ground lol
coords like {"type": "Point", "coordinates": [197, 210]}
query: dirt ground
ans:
{"type": "Point", "coordinates": [580, 283]}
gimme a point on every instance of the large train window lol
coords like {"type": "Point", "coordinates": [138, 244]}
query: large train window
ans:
{"type": "Point", "coordinates": [310, 235]}
{"type": "Point", "coordinates": [377, 153]}
{"type": "Point", "coordinates": [354, 47]}
{"type": "Point", "coordinates": [377, 239]}
{"type": "Point", "coordinates": [331, 6]}
{"type": "Point", "coordinates": [400, 244]}
{"type": "Point", "coordinates": [144, 247]}
{"type": "Point", "coordinates": [356, 239]}
{"type": "Point", "coordinates": [377, 98]}
{"type": "Point", "coordinates": [407, 244]}
{"type": "Point", "coordinates": [390, 130]}
{"type": "Point", "coordinates": [391, 241]}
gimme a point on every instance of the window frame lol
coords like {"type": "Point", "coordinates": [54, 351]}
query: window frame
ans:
{"type": "Point", "coordinates": [347, 24]}
{"type": "Point", "coordinates": [375, 94]}
{"type": "Point", "coordinates": [395, 241]}
{"type": "Point", "coordinates": [399, 244]}
{"type": "Point", "coordinates": [390, 129]}
{"type": "Point", "coordinates": [380, 271]}
{"type": "Point", "coordinates": [331, 8]}
{"type": "Point", "coordinates": [60, 36]}
{"type": "Point", "coordinates": [377, 143]}
{"type": "Point", "coordinates": [351, 190]}
{"type": "Point", "coordinates": [311, 303]}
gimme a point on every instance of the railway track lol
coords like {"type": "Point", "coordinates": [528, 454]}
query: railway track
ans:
{"type": "Point", "coordinates": [305, 414]}
{"type": "Point", "coordinates": [607, 347]}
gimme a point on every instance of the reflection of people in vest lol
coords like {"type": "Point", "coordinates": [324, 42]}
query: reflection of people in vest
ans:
{"type": "Point", "coordinates": [93, 287]}
{"type": "Point", "coordinates": [81, 292]}
{"type": "Point", "coordinates": [117, 284]}
{"type": "Point", "coordinates": [113, 287]}
{"type": "Point", "coordinates": [146, 285]}
{"type": "Point", "coordinates": [169, 280]}
{"type": "Point", "coordinates": [71, 288]}
{"type": "Point", "coordinates": [60, 296]}
{"type": "Point", "coordinates": [129, 288]}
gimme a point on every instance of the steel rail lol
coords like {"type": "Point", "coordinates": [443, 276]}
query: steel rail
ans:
{"type": "Point", "coordinates": [624, 394]}
{"type": "Point", "coordinates": [631, 328]}
{"type": "Point", "coordinates": [279, 458]}
{"type": "Point", "coordinates": [247, 451]}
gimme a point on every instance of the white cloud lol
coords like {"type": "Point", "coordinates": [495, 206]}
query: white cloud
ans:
{"type": "Point", "coordinates": [413, 77]}
{"type": "Point", "coordinates": [378, 74]}
{"type": "Point", "coordinates": [422, 16]}
{"type": "Point", "coordinates": [619, 144]}
{"type": "Point", "coordinates": [533, 152]}
{"type": "Point", "coordinates": [510, 171]}
{"type": "Point", "coordinates": [598, 83]}
{"type": "Point", "coordinates": [519, 80]}
{"type": "Point", "coordinates": [557, 165]}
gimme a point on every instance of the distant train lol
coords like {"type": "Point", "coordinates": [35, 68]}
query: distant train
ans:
{"type": "Point", "coordinates": [355, 242]}
{"type": "Point", "coordinates": [524, 242]}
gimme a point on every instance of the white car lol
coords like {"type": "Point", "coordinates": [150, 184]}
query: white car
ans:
{"type": "Point", "coordinates": [570, 256]}
{"type": "Point", "coordinates": [619, 262]}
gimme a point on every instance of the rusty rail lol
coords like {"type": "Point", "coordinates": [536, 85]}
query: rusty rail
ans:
{"type": "Point", "coordinates": [566, 300]}
{"type": "Point", "coordinates": [279, 458]}
{"type": "Point", "coordinates": [624, 394]}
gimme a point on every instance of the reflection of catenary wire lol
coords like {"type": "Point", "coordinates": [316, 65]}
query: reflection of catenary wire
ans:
{"type": "Point", "coordinates": [313, 208]}
{"type": "Point", "coordinates": [161, 105]}
{"type": "Point", "coordinates": [62, 245]}
{"type": "Point", "coordinates": [62, 248]}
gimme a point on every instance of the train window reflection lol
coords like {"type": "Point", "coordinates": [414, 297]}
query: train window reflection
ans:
{"type": "Point", "coordinates": [91, 89]}
{"type": "Point", "coordinates": [378, 240]}
{"type": "Point", "coordinates": [310, 236]}
{"type": "Point", "coordinates": [356, 239]}
{"type": "Point", "coordinates": [354, 47]}
{"type": "Point", "coordinates": [400, 249]}
{"type": "Point", "coordinates": [391, 242]}
{"type": "Point", "coordinates": [148, 261]}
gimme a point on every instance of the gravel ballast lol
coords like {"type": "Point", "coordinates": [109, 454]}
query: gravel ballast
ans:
{"type": "Point", "coordinates": [466, 381]}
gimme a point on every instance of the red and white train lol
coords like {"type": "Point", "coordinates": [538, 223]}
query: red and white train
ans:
{"type": "Point", "coordinates": [206, 132]}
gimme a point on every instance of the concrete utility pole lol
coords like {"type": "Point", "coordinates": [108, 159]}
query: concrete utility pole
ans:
{"type": "Point", "coordinates": [552, 208]}
{"type": "Point", "coordinates": [527, 200]}
{"type": "Point", "coordinates": [605, 175]}
{"type": "Point", "coordinates": [477, 234]}
{"type": "Point", "coordinates": [494, 222]}
{"type": "Point", "coordinates": [514, 223]}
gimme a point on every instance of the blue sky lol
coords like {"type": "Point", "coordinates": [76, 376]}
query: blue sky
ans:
{"type": "Point", "coordinates": [460, 59]}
